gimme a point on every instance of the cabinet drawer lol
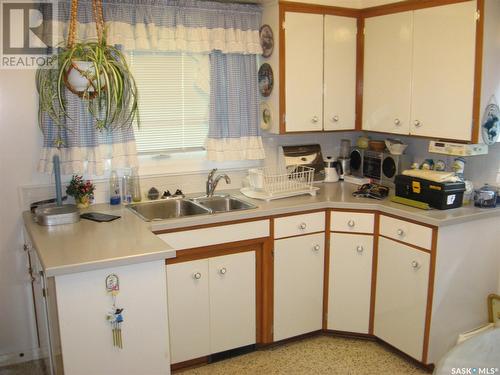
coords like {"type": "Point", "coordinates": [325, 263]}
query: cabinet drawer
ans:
{"type": "Point", "coordinates": [356, 222]}
{"type": "Point", "coordinates": [299, 224]}
{"type": "Point", "coordinates": [190, 239]}
{"type": "Point", "coordinates": [413, 234]}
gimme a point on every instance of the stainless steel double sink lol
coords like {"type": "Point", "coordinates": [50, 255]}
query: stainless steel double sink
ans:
{"type": "Point", "coordinates": [181, 207]}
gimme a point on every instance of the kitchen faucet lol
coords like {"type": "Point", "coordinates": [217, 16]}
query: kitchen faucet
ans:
{"type": "Point", "coordinates": [212, 184]}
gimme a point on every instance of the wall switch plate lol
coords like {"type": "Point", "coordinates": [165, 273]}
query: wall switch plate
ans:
{"type": "Point", "coordinates": [457, 149]}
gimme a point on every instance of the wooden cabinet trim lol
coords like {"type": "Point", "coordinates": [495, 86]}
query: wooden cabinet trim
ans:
{"type": "Point", "coordinates": [404, 6]}
{"type": "Point", "coordinates": [354, 233]}
{"type": "Point", "coordinates": [376, 235]}
{"type": "Point", "coordinates": [360, 63]}
{"type": "Point", "coordinates": [353, 210]}
{"type": "Point", "coordinates": [409, 220]}
{"type": "Point", "coordinates": [205, 252]}
{"type": "Point", "coordinates": [282, 68]}
{"type": "Point", "coordinates": [326, 272]}
{"type": "Point", "coordinates": [299, 235]}
{"type": "Point", "coordinates": [297, 213]}
{"type": "Point", "coordinates": [478, 74]}
{"type": "Point", "coordinates": [407, 244]}
{"type": "Point", "coordinates": [291, 6]}
{"type": "Point", "coordinates": [430, 296]}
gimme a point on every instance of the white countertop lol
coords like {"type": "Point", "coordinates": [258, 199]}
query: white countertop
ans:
{"type": "Point", "coordinates": [88, 245]}
{"type": "Point", "coordinates": [333, 195]}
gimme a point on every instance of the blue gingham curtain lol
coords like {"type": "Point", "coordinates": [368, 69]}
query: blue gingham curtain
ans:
{"type": "Point", "coordinates": [194, 26]}
{"type": "Point", "coordinates": [234, 132]}
{"type": "Point", "coordinates": [166, 25]}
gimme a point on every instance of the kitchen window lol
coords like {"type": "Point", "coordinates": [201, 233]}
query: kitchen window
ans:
{"type": "Point", "coordinates": [173, 99]}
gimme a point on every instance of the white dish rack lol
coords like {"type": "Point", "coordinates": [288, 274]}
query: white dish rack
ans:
{"type": "Point", "coordinates": [268, 184]}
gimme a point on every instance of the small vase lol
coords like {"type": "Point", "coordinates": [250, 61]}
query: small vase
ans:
{"type": "Point", "coordinates": [83, 202]}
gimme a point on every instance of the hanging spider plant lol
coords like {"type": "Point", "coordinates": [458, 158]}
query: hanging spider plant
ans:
{"type": "Point", "coordinates": [96, 72]}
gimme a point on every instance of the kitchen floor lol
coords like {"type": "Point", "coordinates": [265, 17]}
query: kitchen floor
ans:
{"type": "Point", "coordinates": [317, 355]}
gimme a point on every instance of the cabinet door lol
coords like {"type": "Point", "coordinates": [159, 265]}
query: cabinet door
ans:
{"type": "Point", "coordinates": [304, 71]}
{"type": "Point", "coordinates": [340, 73]}
{"type": "Point", "coordinates": [232, 301]}
{"type": "Point", "coordinates": [86, 338]}
{"type": "Point", "coordinates": [387, 73]}
{"type": "Point", "coordinates": [298, 285]}
{"type": "Point", "coordinates": [350, 282]}
{"type": "Point", "coordinates": [188, 310]}
{"type": "Point", "coordinates": [401, 296]}
{"type": "Point", "coordinates": [443, 71]}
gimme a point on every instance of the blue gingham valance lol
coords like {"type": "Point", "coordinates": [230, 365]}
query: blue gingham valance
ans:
{"type": "Point", "coordinates": [170, 25]}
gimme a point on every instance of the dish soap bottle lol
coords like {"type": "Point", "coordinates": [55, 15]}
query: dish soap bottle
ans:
{"type": "Point", "coordinates": [114, 189]}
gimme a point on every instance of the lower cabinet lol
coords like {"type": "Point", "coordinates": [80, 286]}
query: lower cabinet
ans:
{"type": "Point", "coordinates": [211, 305]}
{"type": "Point", "coordinates": [349, 290]}
{"type": "Point", "coordinates": [401, 296]}
{"type": "Point", "coordinates": [298, 285]}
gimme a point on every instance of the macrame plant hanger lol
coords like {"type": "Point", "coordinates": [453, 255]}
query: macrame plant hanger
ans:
{"type": "Point", "coordinates": [72, 38]}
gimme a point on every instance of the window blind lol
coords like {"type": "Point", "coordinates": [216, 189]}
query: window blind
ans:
{"type": "Point", "coordinates": [173, 109]}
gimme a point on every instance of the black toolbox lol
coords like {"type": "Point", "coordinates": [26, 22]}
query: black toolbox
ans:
{"type": "Point", "coordinates": [440, 195]}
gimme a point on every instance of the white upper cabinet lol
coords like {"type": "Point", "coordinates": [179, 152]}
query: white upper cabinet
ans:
{"type": "Point", "coordinates": [387, 73]}
{"type": "Point", "coordinates": [419, 72]}
{"type": "Point", "coordinates": [320, 72]}
{"type": "Point", "coordinates": [444, 40]}
{"type": "Point", "coordinates": [339, 112]}
{"type": "Point", "coordinates": [304, 71]}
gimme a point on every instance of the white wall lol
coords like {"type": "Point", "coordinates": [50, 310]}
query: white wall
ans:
{"type": "Point", "coordinates": [19, 145]}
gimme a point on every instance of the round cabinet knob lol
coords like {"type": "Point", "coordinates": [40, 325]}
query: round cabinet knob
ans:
{"type": "Point", "coordinates": [397, 122]}
{"type": "Point", "coordinates": [400, 232]}
{"type": "Point", "coordinates": [315, 119]}
{"type": "Point", "coordinates": [316, 247]}
{"type": "Point", "coordinates": [197, 276]}
{"type": "Point", "coordinates": [303, 226]}
{"type": "Point", "coordinates": [415, 265]}
{"type": "Point", "coordinates": [351, 223]}
{"type": "Point", "coordinates": [359, 249]}
{"type": "Point", "coordinates": [223, 271]}
{"type": "Point", "coordinates": [417, 123]}
{"type": "Point", "coordinates": [335, 118]}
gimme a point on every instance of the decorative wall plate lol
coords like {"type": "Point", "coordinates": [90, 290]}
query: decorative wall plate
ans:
{"type": "Point", "coordinates": [266, 116]}
{"type": "Point", "coordinates": [266, 40]}
{"type": "Point", "coordinates": [266, 79]}
{"type": "Point", "coordinates": [490, 125]}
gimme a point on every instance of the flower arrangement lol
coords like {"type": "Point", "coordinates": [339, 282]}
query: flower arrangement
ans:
{"type": "Point", "coordinates": [82, 190]}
